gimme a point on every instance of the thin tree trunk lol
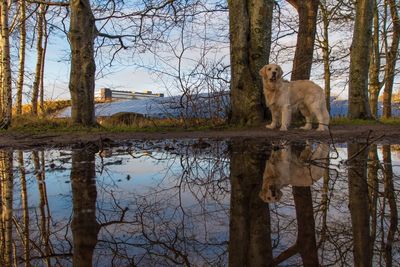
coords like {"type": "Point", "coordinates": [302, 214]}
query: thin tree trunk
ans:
{"type": "Point", "coordinates": [326, 57]}
{"type": "Point", "coordinates": [391, 62]}
{"type": "Point", "coordinates": [250, 36]}
{"type": "Point", "coordinates": [359, 62]}
{"type": "Point", "coordinates": [81, 35]}
{"type": "Point", "coordinates": [374, 84]}
{"type": "Point", "coordinates": [22, 46]}
{"type": "Point", "coordinates": [6, 89]}
{"type": "Point", "coordinates": [46, 38]}
{"type": "Point", "coordinates": [39, 60]}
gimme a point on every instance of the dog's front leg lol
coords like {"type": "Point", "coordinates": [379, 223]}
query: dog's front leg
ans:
{"type": "Point", "coordinates": [286, 117]}
{"type": "Point", "coordinates": [275, 119]}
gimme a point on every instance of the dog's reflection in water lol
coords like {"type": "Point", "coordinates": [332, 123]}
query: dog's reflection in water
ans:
{"type": "Point", "coordinates": [294, 165]}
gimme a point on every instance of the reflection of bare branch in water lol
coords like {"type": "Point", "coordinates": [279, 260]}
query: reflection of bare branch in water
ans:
{"type": "Point", "coordinates": [176, 222]}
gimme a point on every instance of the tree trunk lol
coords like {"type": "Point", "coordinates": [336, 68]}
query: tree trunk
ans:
{"type": "Point", "coordinates": [303, 56]}
{"type": "Point", "coordinates": [81, 34]}
{"type": "Point", "coordinates": [6, 90]}
{"type": "Point", "coordinates": [22, 46]}
{"type": "Point", "coordinates": [359, 62]}
{"type": "Point", "coordinates": [374, 84]}
{"type": "Point", "coordinates": [250, 221]}
{"type": "Point", "coordinates": [39, 60]}
{"type": "Point", "coordinates": [391, 62]}
{"type": "Point", "coordinates": [250, 37]}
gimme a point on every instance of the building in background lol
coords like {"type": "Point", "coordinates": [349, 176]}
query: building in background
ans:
{"type": "Point", "coordinates": [107, 94]}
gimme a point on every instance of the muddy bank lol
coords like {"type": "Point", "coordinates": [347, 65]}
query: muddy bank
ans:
{"type": "Point", "coordinates": [341, 133]}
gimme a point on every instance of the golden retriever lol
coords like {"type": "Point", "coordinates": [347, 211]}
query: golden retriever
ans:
{"type": "Point", "coordinates": [283, 97]}
{"type": "Point", "coordinates": [284, 167]}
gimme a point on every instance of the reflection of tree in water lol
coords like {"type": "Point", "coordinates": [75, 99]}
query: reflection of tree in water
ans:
{"type": "Point", "coordinates": [183, 218]}
{"type": "Point", "coordinates": [6, 193]}
{"type": "Point", "coordinates": [84, 225]}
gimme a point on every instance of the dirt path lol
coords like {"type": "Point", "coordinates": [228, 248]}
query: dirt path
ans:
{"type": "Point", "coordinates": [342, 133]}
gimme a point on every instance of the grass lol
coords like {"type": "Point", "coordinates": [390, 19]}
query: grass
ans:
{"type": "Point", "coordinates": [355, 122]}
{"type": "Point", "coordinates": [35, 125]}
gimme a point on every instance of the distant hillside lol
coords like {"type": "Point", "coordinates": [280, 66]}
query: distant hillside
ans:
{"type": "Point", "coordinates": [200, 106]}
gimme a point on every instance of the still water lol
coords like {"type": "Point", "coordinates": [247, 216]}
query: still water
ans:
{"type": "Point", "coordinates": [201, 203]}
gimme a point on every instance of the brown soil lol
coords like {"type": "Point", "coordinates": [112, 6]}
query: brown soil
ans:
{"type": "Point", "coordinates": [342, 133]}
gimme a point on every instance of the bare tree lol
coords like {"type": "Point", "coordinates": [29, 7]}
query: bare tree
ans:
{"type": "Point", "coordinates": [391, 59]}
{"type": "Point", "coordinates": [6, 89]}
{"type": "Point", "coordinates": [22, 48]}
{"type": "Point", "coordinates": [40, 58]}
{"type": "Point", "coordinates": [374, 68]}
{"type": "Point", "coordinates": [81, 35]}
{"type": "Point", "coordinates": [250, 46]}
{"type": "Point", "coordinates": [302, 61]}
{"type": "Point", "coordinates": [359, 61]}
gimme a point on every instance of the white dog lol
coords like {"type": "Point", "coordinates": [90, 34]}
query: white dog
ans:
{"type": "Point", "coordinates": [283, 97]}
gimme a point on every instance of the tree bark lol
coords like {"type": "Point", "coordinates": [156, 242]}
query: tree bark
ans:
{"type": "Point", "coordinates": [359, 62]}
{"type": "Point", "coordinates": [391, 61]}
{"type": "Point", "coordinates": [81, 34]}
{"type": "Point", "coordinates": [6, 89]}
{"type": "Point", "coordinates": [250, 37]}
{"type": "Point", "coordinates": [22, 48]}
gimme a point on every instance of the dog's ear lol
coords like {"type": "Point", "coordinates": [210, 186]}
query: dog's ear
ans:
{"type": "Point", "coordinates": [263, 71]}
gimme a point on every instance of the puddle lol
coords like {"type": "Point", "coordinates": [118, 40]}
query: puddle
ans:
{"type": "Point", "coordinates": [201, 203]}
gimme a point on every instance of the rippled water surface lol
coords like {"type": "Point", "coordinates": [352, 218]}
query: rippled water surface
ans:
{"type": "Point", "coordinates": [201, 203]}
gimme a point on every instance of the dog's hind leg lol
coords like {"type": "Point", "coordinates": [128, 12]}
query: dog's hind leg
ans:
{"type": "Point", "coordinates": [307, 114]}
{"type": "Point", "coordinates": [323, 118]}
{"type": "Point", "coordinates": [286, 117]}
